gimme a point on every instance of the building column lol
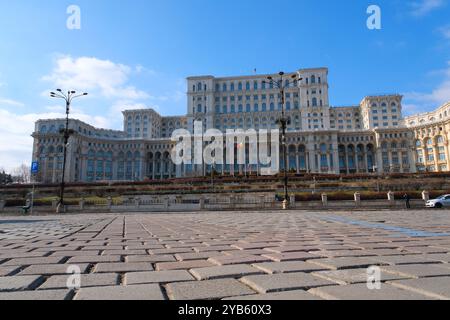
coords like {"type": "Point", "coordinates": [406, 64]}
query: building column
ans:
{"type": "Point", "coordinates": [436, 157]}
{"type": "Point", "coordinates": [307, 162]}
{"type": "Point", "coordinates": [390, 159]}
{"type": "Point", "coordinates": [447, 158]}
{"type": "Point", "coordinates": [153, 169]}
{"type": "Point", "coordinates": [346, 160]}
{"type": "Point", "coordinates": [337, 168]}
{"type": "Point", "coordinates": [379, 160]}
{"type": "Point", "coordinates": [312, 162]}
{"type": "Point", "coordinates": [412, 155]}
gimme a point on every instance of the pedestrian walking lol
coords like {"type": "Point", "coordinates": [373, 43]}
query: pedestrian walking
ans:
{"type": "Point", "coordinates": [407, 199]}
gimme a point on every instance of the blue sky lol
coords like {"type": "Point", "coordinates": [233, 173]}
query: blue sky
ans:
{"type": "Point", "coordinates": [139, 52]}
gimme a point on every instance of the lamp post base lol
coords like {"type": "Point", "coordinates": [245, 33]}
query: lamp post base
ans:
{"type": "Point", "coordinates": [60, 208]}
{"type": "Point", "coordinates": [285, 204]}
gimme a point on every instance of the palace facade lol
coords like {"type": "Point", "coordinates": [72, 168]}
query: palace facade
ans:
{"type": "Point", "coordinates": [372, 137]}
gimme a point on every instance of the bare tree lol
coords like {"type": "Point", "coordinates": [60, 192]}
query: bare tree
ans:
{"type": "Point", "coordinates": [22, 174]}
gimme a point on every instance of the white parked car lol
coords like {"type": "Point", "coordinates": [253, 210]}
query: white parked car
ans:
{"type": "Point", "coordinates": [441, 202]}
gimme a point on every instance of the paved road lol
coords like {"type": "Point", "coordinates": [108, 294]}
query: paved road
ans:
{"type": "Point", "coordinates": [239, 255]}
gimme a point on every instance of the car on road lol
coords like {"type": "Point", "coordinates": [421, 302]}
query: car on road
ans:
{"type": "Point", "coordinates": [441, 202]}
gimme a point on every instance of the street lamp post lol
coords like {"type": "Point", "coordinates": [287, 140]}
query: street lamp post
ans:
{"type": "Point", "coordinates": [68, 98]}
{"type": "Point", "coordinates": [283, 122]}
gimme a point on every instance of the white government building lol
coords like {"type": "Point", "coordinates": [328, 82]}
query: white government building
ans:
{"type": "Point", "coordinates": [372, 137]}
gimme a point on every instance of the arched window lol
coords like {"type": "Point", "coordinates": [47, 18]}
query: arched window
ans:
{"type": "Point", "coordinates": [314, 102]}
{"type": "Point", "coordinates": [256, 107]}
{"type": "Point", "coordinates": [272, 107]}
{"type": "Point", "coordinates": [264, 107]}
{"type": "Point", "coordinates": [232, 87]}
{"type": "Point", "coordinates": [43, 129]}
{"type": "Point", "coordinates": [313, 79]}
{"type": "Point", "coordinates": [199, 86]}
{"type": "Point", "coordinates": [288, 106]}
{"type": "Point", "coordinates": [240, 86]}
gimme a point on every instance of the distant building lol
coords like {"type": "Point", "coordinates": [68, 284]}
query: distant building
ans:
{"type": "Point", "coordinates": [370, 137]}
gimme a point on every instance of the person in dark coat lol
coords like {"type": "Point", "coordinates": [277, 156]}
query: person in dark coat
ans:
{"type": "Point", "coordinates": [407, 199]}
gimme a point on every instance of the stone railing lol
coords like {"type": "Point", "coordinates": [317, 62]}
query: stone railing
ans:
{"type": "Point", "coordinates": [224, 202]}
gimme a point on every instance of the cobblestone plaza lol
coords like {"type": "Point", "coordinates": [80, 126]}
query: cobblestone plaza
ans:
{"type": "Point", "coordinates": [297, 255]}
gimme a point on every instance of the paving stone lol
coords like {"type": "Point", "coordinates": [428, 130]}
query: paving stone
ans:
{"type": "Point", "coordinates": [30, 261]}
{"type": "Point", "coordinates": [46, 295]}
{"type": "Point", "coordinates": [18, 283]}
{"type": "Point", "coordinates": [426, 250]}
{"type": "Point", "coordinates": [346, 262]}
{"type": "Point", "coordinates": [179, 265]}
{"type": "Point", "coordinates": [4, 271]}
{"type": "Point", "coordinates": [438, 287]}
{"type": "Point", "coordinates": [158, 277]}
{"type": "Point", "coordinates": [404, 259]}
{"type": "Point", "coordinates": [229, 271]}
{"type": "Point", "coordinates": [284, 282]}
{"type": "Point", "coordinates": [86, 280]}
{"type": "Point", "coordinates": [351, 276]}
{"type": "Point", "coordinates": [94, 259]}
{"type": "Point", "coordinates": [361, 292]}
{"type": "Point", "coordinates": [418, 270]}
{"type": "Point", "coordinates": [214, 248]}
{"type": "Point", "coordinates": [227, 260]}
{"type": "Point", "coordinates": [197, 256]}
{"type": "Point", "coordinates": [170, 251]}
{"type": "Point", "coordinates": [291, 256]}
{"type": "Point", "coordinates": [246, 246]}
{"type": "Point", "coordinates": [77, 253]}
{"type": "Point", "coordinates": [343, 253]}
{"type": "Point", "coordinates": [288, 266]}
{"type": "Point", "coordinates": [207, 290]}
{"type": "Point", "coordinates": [50, 269]}
{"type": "Point", "coordinates": [294, 295]}
{"type": "Point", "coordinates": [135, 292]}
{"type": "Point", "coordinates": [285, 249]}
{"type": "Point", "coordinates": [151, 259]}
{"type": "Point", "coordinates": [13, 255]}
{"type": "Point", "coordinates": [445, 258]}
{"type": "Point", "coordinates": [123, 267]}
{"type": "Point", "coordinates": [124, 252]}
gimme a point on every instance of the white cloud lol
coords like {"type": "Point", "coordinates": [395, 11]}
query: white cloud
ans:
{"type": "Point", "coordinates": [16, 143]}
{"type": "Point", "coordinates": [420, 102]}
{"type": "Point", "coordinates": [445, 31]}
{"type": "Point", "coordinates": [10, 102]}
{"type": "Point", "coordinates": [110, 79]}
{"type": "Point", "coordinates": [423, 7]}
